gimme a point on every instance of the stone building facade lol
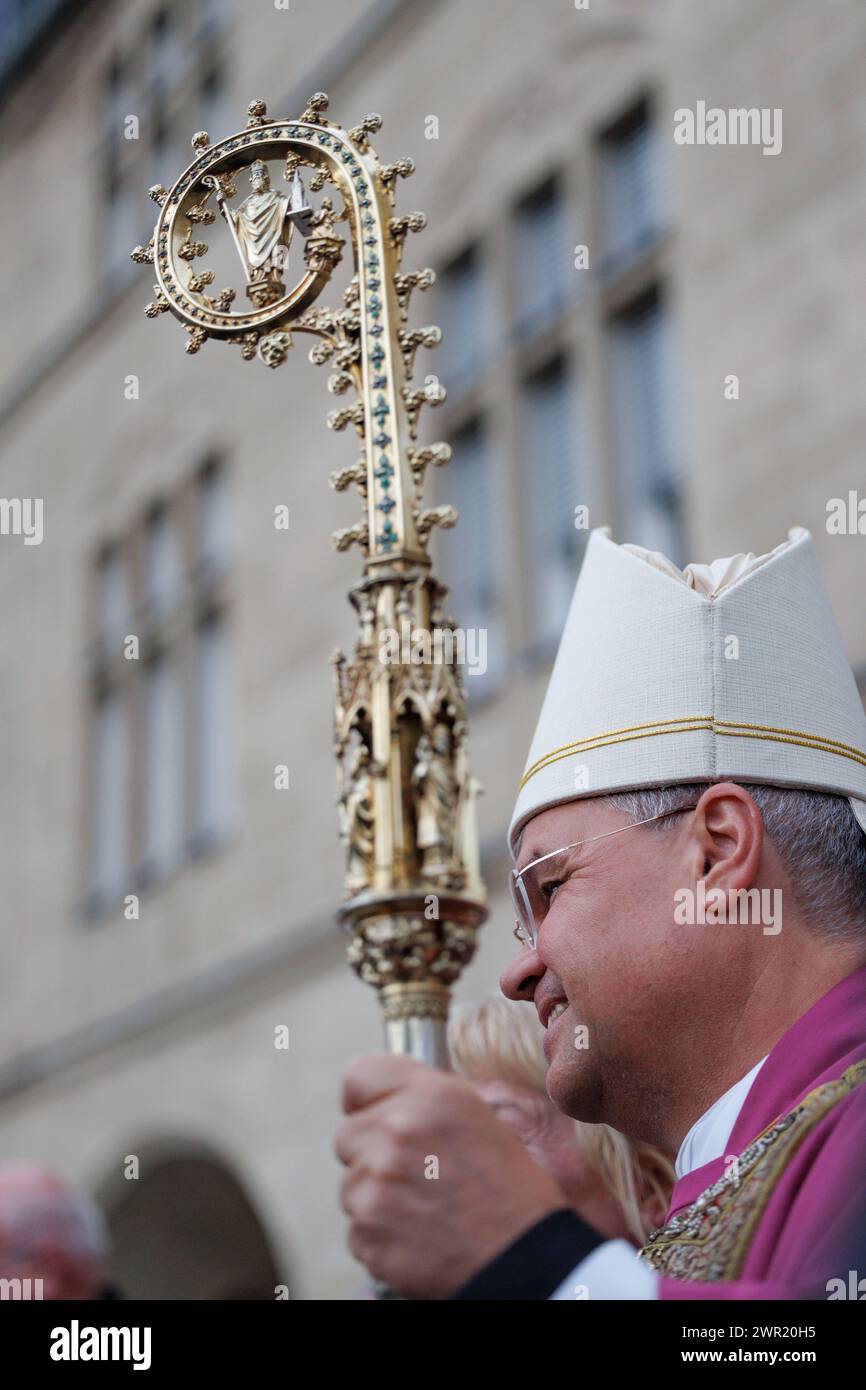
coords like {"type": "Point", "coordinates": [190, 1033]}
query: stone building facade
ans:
{"type": "Point", "coordinates": [666, 335]}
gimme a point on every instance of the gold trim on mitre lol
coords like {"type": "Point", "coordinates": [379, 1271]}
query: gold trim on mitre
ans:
{"type": "Point", "coordinates": [695, 724]}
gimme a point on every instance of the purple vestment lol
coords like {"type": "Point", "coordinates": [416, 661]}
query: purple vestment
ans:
{"type": "Point", "coordinates": [808, 1225]}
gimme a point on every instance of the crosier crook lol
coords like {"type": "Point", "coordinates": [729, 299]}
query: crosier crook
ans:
{"type": "Point", "coordinates": [414, 899]}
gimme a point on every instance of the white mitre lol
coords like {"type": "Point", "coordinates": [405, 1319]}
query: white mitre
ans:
{"type": "Point", "coordinates": [730, 670]}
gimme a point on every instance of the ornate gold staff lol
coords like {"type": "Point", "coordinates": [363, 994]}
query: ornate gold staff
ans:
{"type": "Point", "coordinates": [414, 899]}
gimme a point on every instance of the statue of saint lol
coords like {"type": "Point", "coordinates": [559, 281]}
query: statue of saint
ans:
{"type": "Point", "coordinates": [436, 800]}
{"type": "Point", "coordinates": [262, 231]}
{"type": "Point", "coordinates": [357, 822]}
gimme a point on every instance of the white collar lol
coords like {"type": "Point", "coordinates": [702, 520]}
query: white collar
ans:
{"type": "Point", "coordinates": [708, 1135]}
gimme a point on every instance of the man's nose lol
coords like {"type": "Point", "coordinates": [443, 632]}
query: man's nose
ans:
{"type": "Point", "coordinates": [520, 977]}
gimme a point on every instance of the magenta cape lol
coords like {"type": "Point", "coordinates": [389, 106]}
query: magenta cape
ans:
{"type": "Point", "coordinates": [814, 1225]}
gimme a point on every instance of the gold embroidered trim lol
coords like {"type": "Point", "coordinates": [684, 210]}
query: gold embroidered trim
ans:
{"type": "Point", "coordinates": [773, 729]}
{"type": "Point", "coordinates": [709, 1241]}
{"type": "Point", "coordinates": [698, 721]}
{"type": "Point", "coordinates": [694, 724]}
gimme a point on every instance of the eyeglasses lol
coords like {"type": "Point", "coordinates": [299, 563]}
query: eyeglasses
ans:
{"type": "Point", "coordinates": [531, 896]}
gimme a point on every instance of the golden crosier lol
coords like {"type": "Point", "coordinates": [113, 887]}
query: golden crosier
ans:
{"type": "Point", "coordinates": [414, 899]}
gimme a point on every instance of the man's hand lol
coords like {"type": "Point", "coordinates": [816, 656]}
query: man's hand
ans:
{"type": "Point", "coordinates": [436, 1185]}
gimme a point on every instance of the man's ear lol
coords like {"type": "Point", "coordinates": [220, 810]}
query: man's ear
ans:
{"type": "Point", "coordinates": [729, 837]}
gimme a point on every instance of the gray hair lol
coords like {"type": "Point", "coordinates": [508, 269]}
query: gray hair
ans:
{"type": "Point", "coordinates": [817, 837]}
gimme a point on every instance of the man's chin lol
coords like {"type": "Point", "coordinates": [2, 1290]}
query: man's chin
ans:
{"type": "Point", "coordinates": [570, 1085]}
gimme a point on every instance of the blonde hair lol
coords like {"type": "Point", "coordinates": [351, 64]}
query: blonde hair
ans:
{"type": "Point", "coordinates": [501, 1039]}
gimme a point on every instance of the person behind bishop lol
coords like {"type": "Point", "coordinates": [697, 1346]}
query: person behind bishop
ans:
{"type": "Point", "coordinates": [701, 726]}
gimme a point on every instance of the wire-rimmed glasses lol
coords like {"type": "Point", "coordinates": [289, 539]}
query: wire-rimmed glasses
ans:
{"type": "Point", "coordinates": [528, 893]}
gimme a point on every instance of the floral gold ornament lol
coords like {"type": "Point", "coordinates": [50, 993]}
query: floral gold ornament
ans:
{"type": "Point", "coordinates": [413, 898]}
